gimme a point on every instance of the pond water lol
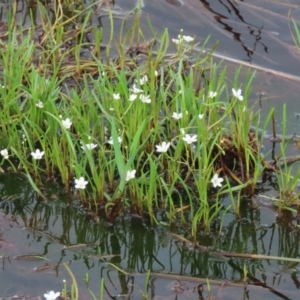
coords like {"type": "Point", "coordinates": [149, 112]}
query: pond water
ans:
{"type": "Point", "coordinates": [40, 240]}
{"type": "Point", "coordinates": [38, 237]}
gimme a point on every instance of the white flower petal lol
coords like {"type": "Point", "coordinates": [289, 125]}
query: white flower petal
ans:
{"type": "Point", "coordinates": [163, 147]}
{"type": "Point", "coordinates": [116, 96]}
{"type": "Point", "coordinates": [37, 154]}
{"type": "Point", "coordinates": [136, 90]}
{"type": "Point", "coordinates": [212, 94]}
{"type": "Point", "coordinates": [4, 153]}
{"type": "Point", "coordinates": [145, 98]}
{"type": "Point", "coordinates": [176, 115]}
{"type": "Point", "coordinates": [189, 139]}
{"type": "Point", "coordinates": [143, 80]}
{"type": "Point", "coordinates": [132, 97]}
{"type": "Point", "coordinates": [110, 141]}
{"type": "Point", "coordinates": [90, 146]}
{"type": "Point", "coordinates": [80, 183]}
{"type": "Point", "coordinates": [238, 94]}
{"type": "Point", "coordinates": [51, 295]}
{"type": "Point", "coordinates": [130, 175]}
{"type": "Point", "coordinates": [67, 123]}
{"type": "Point", "coordinates": [176, 41]}
{"type": "Point", "coordinates": [40, 104]}
{"type": "Point", "coordinates": [187, 38]}
{"type": "Point", "coordinates": [216, 181]}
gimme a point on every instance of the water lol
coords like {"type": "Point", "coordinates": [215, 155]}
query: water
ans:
{"type": "Point", "coordinates": [58, 233]}
{"type": "Point", "coordinates": [124, 253]}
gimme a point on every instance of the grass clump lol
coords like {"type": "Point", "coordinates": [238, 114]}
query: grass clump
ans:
{"type": "Point", "coordinates": [142, 131]}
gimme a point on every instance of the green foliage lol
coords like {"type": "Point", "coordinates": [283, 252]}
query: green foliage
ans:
{"type": "Point", "coordinates": [296, 38]}
{"type": "Point", "coordinates": [121, 111]}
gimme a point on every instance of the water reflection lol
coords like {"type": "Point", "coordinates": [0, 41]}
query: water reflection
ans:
{"type": "Point", "coordinates": [124, 253]}
{"type": "Point", "coordinates": [257, 32]}
{"type": "Point", "coordinates": [253, 30]}
{"type": "Point", "coordinates": [232, 9]}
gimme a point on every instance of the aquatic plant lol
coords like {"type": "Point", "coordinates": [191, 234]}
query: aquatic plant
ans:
{"type": "Point", "coordinates": [140, 131]}
{"type": "Point", "coordinates": [296, 38]}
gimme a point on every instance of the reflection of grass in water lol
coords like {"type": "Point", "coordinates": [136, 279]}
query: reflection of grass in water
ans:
{"type": "Point", "coordinates": [102, 118]}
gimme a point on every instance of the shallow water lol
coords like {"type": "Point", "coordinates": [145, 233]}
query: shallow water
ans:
{"type": "Point", "coordinates": [57, 233]}
{"type": "Point", "coordinates": [38, 234]}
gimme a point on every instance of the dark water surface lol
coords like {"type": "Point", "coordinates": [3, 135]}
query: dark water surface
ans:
{"type": "Point", "coordinates": [256, 32]}
{"type": "Point", "coordinates": [124, 253]}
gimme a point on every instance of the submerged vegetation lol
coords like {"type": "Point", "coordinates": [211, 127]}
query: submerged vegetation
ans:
{"type": "Point", "coordinates": [160, 134]}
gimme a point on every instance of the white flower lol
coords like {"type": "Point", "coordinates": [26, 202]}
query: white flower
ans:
{"type": "Point", "coordinates": [130, 175]}
{"type": "Point", "coordinates": [37, 154]}
{"type": "Point", "coordinates": [4, 153]}
{"type": "Point", "coordinates": [155, 73]}
{"type": "Point", "coordinates": [67, 123]}
{"type": "Point", "coordinates": [200, 116]}
{"type": "Point", "coordinates": [116, 96]}
{"type": "Point", "coordinates": [80, 183]}
{"type": "Point", "coordinates": [212, 94]}
{"type": "Point", "coordinates": [237, 94]}
{"type": "Point", "coordinates": [183, 38]}
{"type": "Point", "coordinates": [132, 97]}
{"type": "Point", "coordinates": [136, 90]}
{"type": "Point", "coordinates": [90, 146]}
{"type": "Point", "coordinates": [189, 139]}
{"type": "Point", "coordinates": [143, 79]}
{"type": "Point", "coordinates": [176, 115]}
{"type": "Point", "coordinates": [163, 147]}
{"type": "Point", "coordinates": [187, 38]}
{"type": "Point", "coordinates": [51, 295]}
{"type": "Point", "coordinates": [216, 181]}
{"type": "Point", "coordinates": [177, 41]}
{"type": "Point", "coordinates": [40, 104]}
{"type": "Point", "coordinates": [145, 99]}
{"type": "Point", "coordinates": [110, 141]}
